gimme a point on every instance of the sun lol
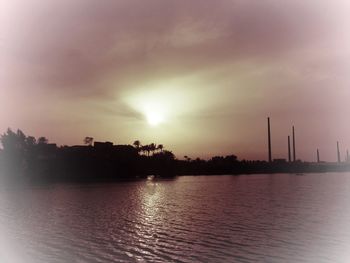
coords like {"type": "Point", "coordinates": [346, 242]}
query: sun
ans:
{"type": "Point", "coordinates": [154, 118]}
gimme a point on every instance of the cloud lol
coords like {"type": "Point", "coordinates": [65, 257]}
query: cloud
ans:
{"type": "Point", "coordinates": [74, 45]}
{"type": "Point", "coordinates": [233, 60]}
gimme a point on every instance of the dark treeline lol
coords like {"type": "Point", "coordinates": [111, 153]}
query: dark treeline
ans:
{"type": "Point", "coordinates": [27, 158]}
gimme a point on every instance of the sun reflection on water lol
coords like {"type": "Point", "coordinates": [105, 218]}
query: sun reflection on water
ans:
{"type": "Point", "coordinates": [151, 199]}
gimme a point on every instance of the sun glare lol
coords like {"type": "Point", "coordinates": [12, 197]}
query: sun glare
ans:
{"type": "Point", "coordinates": [162, 102]}
{"type": "Point", "coordinates": [154, 118]}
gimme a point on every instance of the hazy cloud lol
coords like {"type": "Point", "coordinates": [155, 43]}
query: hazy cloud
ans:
{"type": "Point", "coordinates": [234, 58]}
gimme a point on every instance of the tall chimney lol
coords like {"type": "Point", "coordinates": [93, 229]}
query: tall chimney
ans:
{"type": "Point", "coordinates": [289, 153]}
{"type": "Point", "coordinates": [347, 156]}
{"type": "Point", "coordinates": [269, 138]}
{"type": "Point", "coordinates": [294, 159]}
{"type": "Point", "coordinates": [318, 156]}
{"type": "Point", "coordinates": [338, 153]}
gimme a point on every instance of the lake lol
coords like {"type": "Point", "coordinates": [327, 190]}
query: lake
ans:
{"type": "Point", "coordinates": [247, 218]}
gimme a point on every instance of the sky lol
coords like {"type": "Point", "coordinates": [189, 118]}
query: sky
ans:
{"type": "Point", "coordinates": [200, 77]}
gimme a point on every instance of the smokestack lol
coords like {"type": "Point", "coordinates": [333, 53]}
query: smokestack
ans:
{"type": "Point", "coordinates": [294, 159]}
{"type": "Point", "coordinates": [269, 138]}
{"type": "Point", "coordinates": [338, 153]}
{"type": "Point", "coordinates": [347, 156]}
{"type": "Point", "coordinates": [318, 156]}
{"type": "Point", "coordinates": [289, 153]}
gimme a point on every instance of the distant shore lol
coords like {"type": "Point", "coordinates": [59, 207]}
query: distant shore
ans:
{"type": "Point", "coordinates": [59, 175]}
{"type": "Point", "coordinates": [35, 160]}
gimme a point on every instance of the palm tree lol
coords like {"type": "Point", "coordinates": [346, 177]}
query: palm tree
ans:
{"type": "Point", "coordinates": [160, 147]}
{"type": "Point", "coordinates": [145, 149]}
{"type": "Point", "coordinates": [137, 145]}
{"type": "Point", "coordinates": [152, 147]}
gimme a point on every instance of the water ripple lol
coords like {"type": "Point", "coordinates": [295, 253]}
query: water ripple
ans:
{"type": "Point", "coordinates": [256, 218]}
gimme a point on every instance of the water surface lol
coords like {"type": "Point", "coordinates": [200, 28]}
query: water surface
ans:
{"type": "Point", "coordinates": [248, 218]}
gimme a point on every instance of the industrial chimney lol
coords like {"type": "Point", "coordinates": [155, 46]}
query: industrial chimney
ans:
{"type": "Point", "coordinates": [338, 153]}
{"type": "Point", "coordinates": [289, 153]}
{"type": "Point", "coordinates": [269, 138]}
{"type": "Point", "coordinates": [294, 159]}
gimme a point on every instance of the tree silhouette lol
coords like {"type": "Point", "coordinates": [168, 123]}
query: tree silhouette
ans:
{"type": "Point", "coordinates": [13, 141]}
{"type": "Point", "coordinates": [30, 141]}
{"type": "Point", "coordinates": [21, 137]}
{"type": "Point", "coordinates": [188, 159]}
{"type": "Point", "coordinates": [8, 139]}
{"type": "Point", "coordinates": [15, 149]}
{"type": "Point", "coordinates": [168, 155]}
{"type": "Point", "coordinates": [146, 149]}
{"type": "Point", "coordinates": [88, 140]}
{"type": "Point", "coordinates": [42, 140]}
{"type": "Point", "coordinates": [152, 147]}
{"type": "Point", "coordinates": [160, 147]}
{"type": "Point", "coordinates": [137, 145]}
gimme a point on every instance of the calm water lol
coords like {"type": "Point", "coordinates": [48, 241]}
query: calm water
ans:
{"type": "Point", "coordinates": [249, 218]}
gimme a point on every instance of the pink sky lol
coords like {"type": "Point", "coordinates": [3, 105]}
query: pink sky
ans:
{"type": "Point", "coordinates": [214, 70]}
